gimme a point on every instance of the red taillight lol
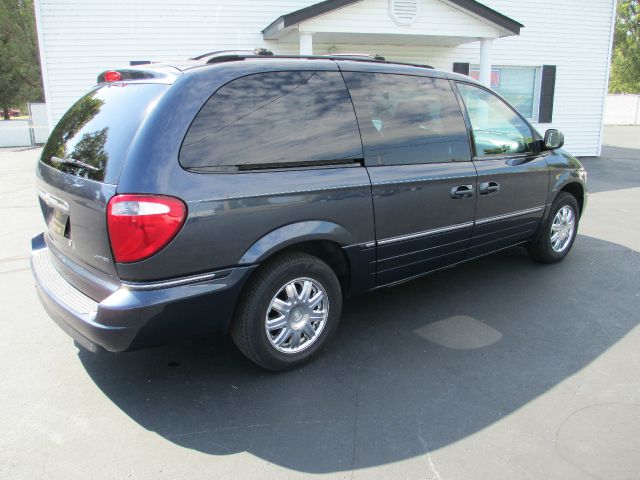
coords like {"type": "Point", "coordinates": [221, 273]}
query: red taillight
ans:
{"type": "Point", "coordinates": [141, 225]}
{"type": "Point", "coordinates": [112, 76]}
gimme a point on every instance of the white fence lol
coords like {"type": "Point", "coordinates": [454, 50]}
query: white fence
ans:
{"type": "Point", "coordinates": [39, 122]}
{"type": "Point", "coordinates": [15, 133]}
{"type": "Point", "coordinates": [27, 132]}
{"type": "Point", "coordinates": [622, 110]}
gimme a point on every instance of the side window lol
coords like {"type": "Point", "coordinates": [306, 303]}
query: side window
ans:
{"type": "Point", "coordinates": [497, 129]}
{"type": "Point", "coordinates": [407, 119]}
{"type": "Point", "coordinates": [274, 118]}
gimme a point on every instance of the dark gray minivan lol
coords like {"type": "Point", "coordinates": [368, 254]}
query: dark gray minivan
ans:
{"type": "Point", "coordinates": [249, 194]}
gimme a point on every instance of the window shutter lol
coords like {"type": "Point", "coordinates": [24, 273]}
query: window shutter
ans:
{"type": "Point", "coordinates": [462, 68]}
{"type": "Point", "coordinates": [547, 89]}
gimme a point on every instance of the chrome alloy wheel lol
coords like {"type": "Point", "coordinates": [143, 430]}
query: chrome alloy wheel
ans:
{"type": "Point", "coordinates": [562, 229]}
{"type": "Point", "coordinates": [297, 315]}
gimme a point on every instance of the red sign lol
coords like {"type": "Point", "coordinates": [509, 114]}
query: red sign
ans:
{"type": "Point", "coordinates": [495, 77]}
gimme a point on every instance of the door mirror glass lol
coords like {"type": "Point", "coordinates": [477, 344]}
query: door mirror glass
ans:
{"type": "Point", "coordinates": [553, 139]}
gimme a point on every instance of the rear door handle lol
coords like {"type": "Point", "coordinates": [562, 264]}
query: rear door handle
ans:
{"type": "Point", "coordinates": [461, 191]}
{"type": "Point", "coordinates": [487, 188]}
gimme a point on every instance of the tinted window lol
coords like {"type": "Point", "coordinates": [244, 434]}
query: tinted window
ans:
{"type": "Point", "coordinates": [274, 118]}
{"type": "Point", "coordinates": [497, 129]}
{"type": "Point", "coordinates": [405, 119]}
{"type": "Point", "coordinates": [92, 138]}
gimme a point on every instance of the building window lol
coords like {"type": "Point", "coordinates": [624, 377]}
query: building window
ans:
{"type": "Point", "coordinates": [520, 86]}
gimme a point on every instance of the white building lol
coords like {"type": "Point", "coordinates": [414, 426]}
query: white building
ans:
{"type": "Point", "coordinates": [550, 58]}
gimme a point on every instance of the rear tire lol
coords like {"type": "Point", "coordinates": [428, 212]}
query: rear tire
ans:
{"type": "Point", "coordinates": [558, 231]}
{"type": "Point", "coordinates": [288, 311]}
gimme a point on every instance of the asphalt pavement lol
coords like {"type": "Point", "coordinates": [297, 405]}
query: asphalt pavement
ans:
{"type": "Point", "coordinates": [497, 369]}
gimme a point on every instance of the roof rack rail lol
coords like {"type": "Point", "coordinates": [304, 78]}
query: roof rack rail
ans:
{"type": "Point", "coordinates": [236, 55]}
{"type": "Point", "coordinates": [376, 56]}
{"type": "Point", "coordinates": [226, 55]}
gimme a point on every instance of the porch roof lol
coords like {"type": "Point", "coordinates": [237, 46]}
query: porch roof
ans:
{"type": "Point", "coordinates": [488, 22]}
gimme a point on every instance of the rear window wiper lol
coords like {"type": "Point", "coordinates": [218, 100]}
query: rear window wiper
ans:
{"type": "Point", "coordinates": [74, 161]}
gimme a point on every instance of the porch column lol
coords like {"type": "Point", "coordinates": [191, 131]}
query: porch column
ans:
{"type": "Point", "coordinates": [306, 43]}
{"type": "Point", "coordinates": [485, 61]}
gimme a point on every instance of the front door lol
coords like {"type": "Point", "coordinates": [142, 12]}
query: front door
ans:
{"type": "Point", "coordinates": [513, 177]}
{"type": "Point", "coordinates": [417, 153]}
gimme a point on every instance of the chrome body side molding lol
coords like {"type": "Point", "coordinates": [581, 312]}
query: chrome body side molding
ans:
{"type": "Point", "coordinates": [425, 233]}
{"type": "Point", "coordinates": [458, 226]}
{"type": "Point", "coordinates": [509, 215]}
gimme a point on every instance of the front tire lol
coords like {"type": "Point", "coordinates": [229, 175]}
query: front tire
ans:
{"type": "Point", "coordinates": [558, 231]}
{"type": "Point", "coordinates": [287, 312]}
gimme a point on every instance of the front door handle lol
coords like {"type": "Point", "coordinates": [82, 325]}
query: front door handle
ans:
{"type": "Point", "coordinates": [487, 188]}
{"type": "Point", "coordinates": [461, 191]}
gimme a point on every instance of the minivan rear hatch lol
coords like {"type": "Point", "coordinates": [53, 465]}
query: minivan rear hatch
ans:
{"type": "Point", "coordinates": [80, 166]}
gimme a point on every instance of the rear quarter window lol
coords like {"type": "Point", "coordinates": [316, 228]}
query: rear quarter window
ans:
{"type": "Point", "coordinates": [274, 119]}
{"type": "Point", "coordinates": [91, 140]}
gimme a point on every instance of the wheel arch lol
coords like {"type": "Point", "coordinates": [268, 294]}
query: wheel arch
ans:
{"type": "Point", "coordinates": [296, 233]}
{"type": "Point", "coordinates": [577, 190]}
{"type": "Point", "coordinates": [325, 240]}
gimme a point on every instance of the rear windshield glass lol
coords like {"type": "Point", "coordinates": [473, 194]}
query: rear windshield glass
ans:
{"type": "Point", "coordinates": [274, 118]}
{"type": "Point", "coordinates": [92, 138]}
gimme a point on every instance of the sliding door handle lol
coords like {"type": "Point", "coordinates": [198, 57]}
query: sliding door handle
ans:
{"type": "Point", "coordinates": [487, 188]}
{"type": "Point", "coordinates": [461, 191]}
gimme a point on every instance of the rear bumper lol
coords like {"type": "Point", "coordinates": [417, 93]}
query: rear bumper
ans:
{"type": "Point", "coordinates": [136, 315]}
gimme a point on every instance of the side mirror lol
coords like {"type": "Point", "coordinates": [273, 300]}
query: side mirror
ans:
{"type": "Point", "coordinates": [553, 139]}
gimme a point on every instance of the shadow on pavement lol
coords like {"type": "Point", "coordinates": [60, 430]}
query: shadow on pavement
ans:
{"type": "Point", "coordinates": [412, 369]}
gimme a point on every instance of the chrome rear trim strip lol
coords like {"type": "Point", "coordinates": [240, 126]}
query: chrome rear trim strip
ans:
{"type": "Point", "coordinates": [169, 283]}
{"type": "Point", "coordinates": [426, 233]}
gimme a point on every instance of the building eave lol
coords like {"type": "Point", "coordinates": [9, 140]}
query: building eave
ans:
{"type": "Point", "coordinates": [482, 11]}
{"type": "Point", "coordinates": [286, 23]}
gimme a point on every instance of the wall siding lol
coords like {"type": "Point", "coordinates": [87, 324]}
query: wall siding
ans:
{"type": "Point", "coordinates": [80, 38]}
{"type": "Point", "coordinates": [372, 16]}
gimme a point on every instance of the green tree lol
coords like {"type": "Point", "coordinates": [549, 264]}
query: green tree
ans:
{"type": "Point", "coordinates": [19, 60]}
{"type": "Point", "coordinates": [625, 59]}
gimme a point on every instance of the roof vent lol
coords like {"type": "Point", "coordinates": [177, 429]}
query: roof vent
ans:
{"type": "Point", "coordinates": [404, 12]}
